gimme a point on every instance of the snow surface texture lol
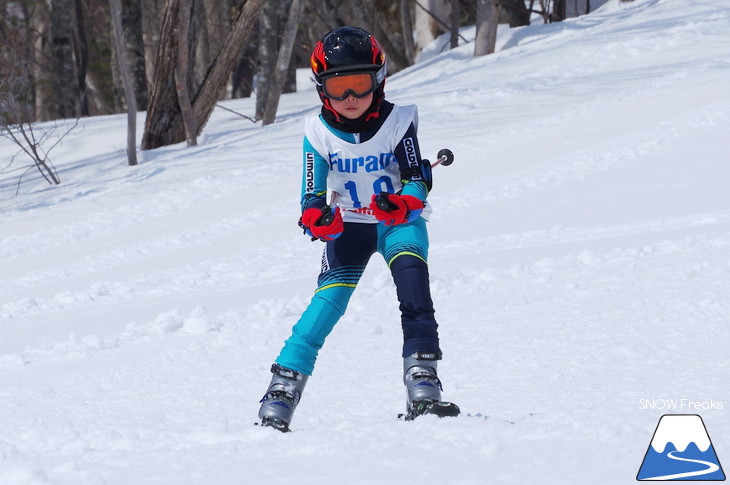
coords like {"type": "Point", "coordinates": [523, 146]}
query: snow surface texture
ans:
{"type": "Point", "coordinates": [580, 268]}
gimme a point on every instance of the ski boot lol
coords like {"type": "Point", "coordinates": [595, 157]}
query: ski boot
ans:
{"type": "Point", "coordinates": [424, 387]}
{"type": "Point", "coordinates": [281, 398]}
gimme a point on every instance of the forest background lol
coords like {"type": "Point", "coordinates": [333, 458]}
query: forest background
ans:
{"type": "Point", "coordinates": [175, 59]}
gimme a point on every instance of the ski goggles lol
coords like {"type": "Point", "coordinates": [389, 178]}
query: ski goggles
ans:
{"type": "Point", "coordinates": [358, 84]}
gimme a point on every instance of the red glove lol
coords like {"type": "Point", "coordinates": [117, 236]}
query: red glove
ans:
{"type": "Point", "coordinates": [324, 224]}
{"type": "Point", "coordinates": [392, 209]}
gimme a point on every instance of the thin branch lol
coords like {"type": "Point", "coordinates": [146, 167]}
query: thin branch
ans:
{"type": "Point", "coordinates": [237, 113]}
{"type": "Point", "coordinates": [20, 179]}
{"type": "Point", "coordinates": [438, 20]}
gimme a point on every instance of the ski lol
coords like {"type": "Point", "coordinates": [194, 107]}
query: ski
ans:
{"type": "Point", "coordinates": [276, 423]}
{"type": "Point", "coordinates": [442, 409]}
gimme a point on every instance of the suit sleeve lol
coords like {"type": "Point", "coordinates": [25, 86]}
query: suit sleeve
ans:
{"type": "Point", "coordinates": [314, 178]}
{"type": "Point", "coordinates": [415, 175]}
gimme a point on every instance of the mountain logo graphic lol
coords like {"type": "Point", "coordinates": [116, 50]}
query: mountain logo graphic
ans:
{"type": "Point", "coordinates": [681, 450]}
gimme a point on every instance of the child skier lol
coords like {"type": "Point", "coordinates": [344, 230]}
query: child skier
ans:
{"type": "Point", "coordinates": [364, 150]}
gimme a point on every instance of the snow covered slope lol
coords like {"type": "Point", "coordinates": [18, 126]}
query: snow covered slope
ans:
{"type": "Point", "coordinates": [580, 261]}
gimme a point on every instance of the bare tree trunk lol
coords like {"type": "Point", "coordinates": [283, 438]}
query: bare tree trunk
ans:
{"type": "Point", "coordinates": [204, 35]}
{"type": "Point", "coordinates": [407, 26]}
{"type": "Point", "coordinates": [163, 112]}
{"type": "Point", "coordinates": [517, 13]}
{"type": "Point", "coordinates": [122, 61]}
{"type": "Point", "coordinates": [164, 125]}
{"type": "Point", "coordinates": [242, 77]}
{"type": "Point", "coordinates": [268, 49]}
{"type": "Point", "coordinates": [455, 18]}
{"type": "Point", "coordinates": [200, 52]}
{"type": "Point", "coordinates": [487, 23]}
{"type": "Point", "coordinates": [245, 69]}
{"type": "Point", "coordinates": [134, 42]}
{"type": "Point", "coordinates": [82, 58]}
{"type": "Point", "coordinates": [226, 60]}
{"type": "Point", "coordinates": [282, 62]}
{"type": "Point", "coordinates": [150, 37]}
{"type": "Point", "coordinates": [181, 73]}
{"type": "Point", "coordinates": [431, 18]}
{"type": "Point", "coordinates": [290, 78]}
{"type": "Point", "coordinates": [65, 84]}
{"type": "Point", "coordinates": [558, 14]}
{"type": "Point", "coordinates": [43, 89]}
{"type": "Point", "coordinates": [217, 18]}
{"type": "Point", "coordinates": [98, 83]}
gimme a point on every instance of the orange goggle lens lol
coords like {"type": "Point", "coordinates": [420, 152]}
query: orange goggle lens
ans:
{"type": "Point", "coordinates": [340, 87]}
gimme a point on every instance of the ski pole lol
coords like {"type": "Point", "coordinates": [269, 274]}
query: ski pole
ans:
{"type": "Point", "coordinates": [444, 157]}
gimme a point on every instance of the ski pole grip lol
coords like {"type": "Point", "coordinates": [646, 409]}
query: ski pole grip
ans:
{"type": "Point", "coordinates": [326, 220]}
{"type": "Point", "coordinates": [383, 203]}
{"type": "Point", "coordinates": [327, 217]}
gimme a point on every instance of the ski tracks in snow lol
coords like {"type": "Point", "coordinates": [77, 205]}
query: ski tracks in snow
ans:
{"type": "Point", "coordinates": [578, 263]}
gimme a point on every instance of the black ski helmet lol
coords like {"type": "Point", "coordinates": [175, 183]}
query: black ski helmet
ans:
{"type": "Point", "coordinates": [347, 50]}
